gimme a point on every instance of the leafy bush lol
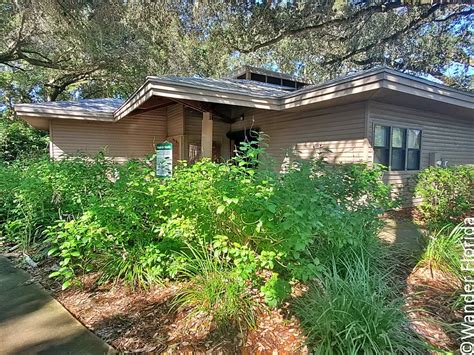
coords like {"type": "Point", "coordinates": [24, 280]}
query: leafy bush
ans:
{"type": "Point", "coordinates": [444, 250]}
{"type": "Point", "coordinates": [37, 192]}
{"type": "Point", "coordinates": [18, 140]}
{"type": "Point", "coordinates": [354, 309]}
{"type": "Point", "coordinates": [128, 225]}
{"type": "Point", "coordinates": [222, 228]}
{"type": "Point", "coordinates": [275, 290]}
{"type": "Point", "coordinates": [446, 194]}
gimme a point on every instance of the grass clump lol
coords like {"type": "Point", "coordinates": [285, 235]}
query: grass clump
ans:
{"type": "Point", "coordinates": [215, 292]}
{"type": "Point", "coordinates": [354, 309]}
{"type": "Point", "coordinates": [444, 250]}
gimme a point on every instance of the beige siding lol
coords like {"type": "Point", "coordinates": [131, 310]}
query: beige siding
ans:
{"type": "Point", "coordinates": [310, 132]}
{"type": "Point", "coordinates": [451, 137]}
{"type": "Point", "coordinates": [131, 137]}
{"type": "Point", "coordinates": [175, 120]}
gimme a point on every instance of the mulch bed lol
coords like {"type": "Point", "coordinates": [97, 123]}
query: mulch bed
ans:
{"type": "Point", "coordinates": [429, 300]}
{"type": "Point", "coordinates": [144, 321]}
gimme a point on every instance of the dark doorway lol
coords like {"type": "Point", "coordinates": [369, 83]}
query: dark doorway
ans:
{"type": "Point", "coordinates": [239, 137]}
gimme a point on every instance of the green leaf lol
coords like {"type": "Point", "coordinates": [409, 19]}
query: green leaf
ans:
{"type": "Point", "coordinates": [220, 209]}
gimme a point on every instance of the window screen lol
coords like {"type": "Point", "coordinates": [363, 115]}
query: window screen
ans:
{"type": "Point", "coordinates": [413, 149]}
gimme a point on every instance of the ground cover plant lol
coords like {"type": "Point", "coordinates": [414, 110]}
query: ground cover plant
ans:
{"type": "Point", "coordinates": [444, 251]}
{"type": "Point", "coordinates": [236, 235]}
{"type": "Point", "coordinates": [354, 308]}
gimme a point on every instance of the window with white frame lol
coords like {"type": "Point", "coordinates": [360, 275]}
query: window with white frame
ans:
{"type": "Point", "coordinates": [397, 148]}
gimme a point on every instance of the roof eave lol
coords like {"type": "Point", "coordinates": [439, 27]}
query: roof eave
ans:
{"type": "Point", "coordinates": [183, 91]}
{"type": "Point", "coordinates": [356, 84]}
{"type": "Point", "coordinates": [38, 112]}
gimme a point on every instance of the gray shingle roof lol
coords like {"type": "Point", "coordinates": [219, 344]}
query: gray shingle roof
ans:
{"type": "Point", "coordinates": [241, 86]}
{"type": "Point", "coordinates": [85, 105]}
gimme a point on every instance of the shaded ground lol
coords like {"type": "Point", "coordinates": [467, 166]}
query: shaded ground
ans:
{"type": "Point", "coordinates": [430, 294]}
{"type": "Point", "coordinates": [32, 322]}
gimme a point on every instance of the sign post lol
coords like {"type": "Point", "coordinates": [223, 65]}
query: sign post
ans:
{"type": "Point", "coordinates": [164, 159]}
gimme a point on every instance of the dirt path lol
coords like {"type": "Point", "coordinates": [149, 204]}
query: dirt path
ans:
{"type": "Point", "coordinates": [429, 293]}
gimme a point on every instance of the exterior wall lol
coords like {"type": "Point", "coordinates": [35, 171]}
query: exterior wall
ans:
{"type": "Point", "coordinates": [175, 120]}
{"type": "Point", "coordinates": [175, 130]}
{"type": "Point", "coordinates": [346, 131]}
{"type": "Point", "coordinates": [308, 133]}
{"type": "Point", "coordinates": [131, 137]}
{"type": "Point", "coordinates": [451, 137]}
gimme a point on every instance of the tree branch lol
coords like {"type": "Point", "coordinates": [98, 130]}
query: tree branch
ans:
{"type": "Point", "coordinates": [412, 24]}
{"type": "Point", "coordinates": [369, 10]}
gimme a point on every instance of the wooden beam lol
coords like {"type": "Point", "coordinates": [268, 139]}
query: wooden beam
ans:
{"type": "Point", "coordinates": [196, 105]}
{"type": "Point", "coordinates": [204, 107]}
{"type": "Point", "coordinates": [206, 135]}
{"type": "Point", "coordinates": [139, 110]}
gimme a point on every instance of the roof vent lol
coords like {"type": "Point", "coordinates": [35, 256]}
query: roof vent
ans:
{"type": "Point", "coordinates": [285, 81]}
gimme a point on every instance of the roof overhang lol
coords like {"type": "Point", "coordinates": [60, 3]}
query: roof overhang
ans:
{"type": "Point", "coordinates": [357, 85]}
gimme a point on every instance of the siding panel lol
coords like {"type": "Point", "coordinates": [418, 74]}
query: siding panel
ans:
{"type": "Point", "coordinates": [451, 137]}
{"type": "Point", "coordinates": [131, 137]}
{"type": "Point", "coordinates": [308, 133]}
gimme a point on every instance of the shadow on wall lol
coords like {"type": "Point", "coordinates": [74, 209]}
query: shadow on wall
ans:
{"type": "Point", "coordinates": [343, 151]}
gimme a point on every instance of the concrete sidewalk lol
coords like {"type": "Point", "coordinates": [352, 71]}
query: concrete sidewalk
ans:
{"type": "Point", "coordinates": [32, 322]}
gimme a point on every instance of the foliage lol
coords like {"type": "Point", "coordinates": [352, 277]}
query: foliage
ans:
{"type": "Point", "coordinates": [96, 49]}
{"type": "Point", "coordinates": [446, 194]}
{"type": "Point", "coordinates": [444, 251]}
{"type": "Point", "coordinates": [275, 290]}
{"type": "Point", "coordinates": [126, 224]}
{"type": "Point", "coordinates": [18, 140]}
{"type": "Point", "coordinates": [227, 230]}
{"type": "Point", "coordinates": [354, 309]}
{"type": "Point", "coordinates": [37, 192]}
{"type": "Point", "coordinates": [216, 292]}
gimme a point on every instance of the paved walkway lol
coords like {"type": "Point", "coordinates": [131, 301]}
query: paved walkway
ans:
{"type": "Point", "coordinates": [403, 235]}
{"type": "Point", "coordinates": [32, 322]}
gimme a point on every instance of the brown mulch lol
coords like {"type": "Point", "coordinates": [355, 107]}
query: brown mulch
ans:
{"type": "Point", "coordinates": [429, 300]}
{"type": "Point", "coordinates": [145, 321]}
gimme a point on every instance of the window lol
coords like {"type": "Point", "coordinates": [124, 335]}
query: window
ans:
{"type": "Point", "coordinates": [413, 149]}
{"type": "Point", "coordinates": [381, 145]}
{"type": "Point", "coordinates": [397, 148]}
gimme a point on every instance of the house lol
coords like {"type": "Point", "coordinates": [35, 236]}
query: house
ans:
{"type": "Point", "coordinates": [379, 115]}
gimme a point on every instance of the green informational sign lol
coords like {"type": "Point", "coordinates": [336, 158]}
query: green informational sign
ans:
{"type": "Point", "coordinates": [164, 159]}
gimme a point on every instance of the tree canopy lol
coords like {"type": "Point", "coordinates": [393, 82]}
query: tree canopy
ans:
{"type": "Point", "coordinates": [63, 49]}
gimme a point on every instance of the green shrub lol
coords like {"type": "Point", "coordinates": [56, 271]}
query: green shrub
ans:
{"type": "Point", "coordinates": [120, 233]}
{"type": "Point", "coordinates": [18, 140]}
{"type": "Point", "coordinates": [354, 309]}
{"type": "Point", "coordinates": [261, 219]}
{"type": "Point", "coordinates": [37, 192]}
{"type": "Point", "coordinates": [446, 194]}
{"type": "Point", "coordinates": [129, 225]}
{"type": "Point", "coordinates": [215, 292]}
{"type": "Point", "coordinates": [275, 290]}
{"type": "Point", "coordinates": [444, 250]}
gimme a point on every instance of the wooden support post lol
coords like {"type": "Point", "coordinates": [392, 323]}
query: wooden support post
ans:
{"type": "Point", "coordinates": [206, 135]}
